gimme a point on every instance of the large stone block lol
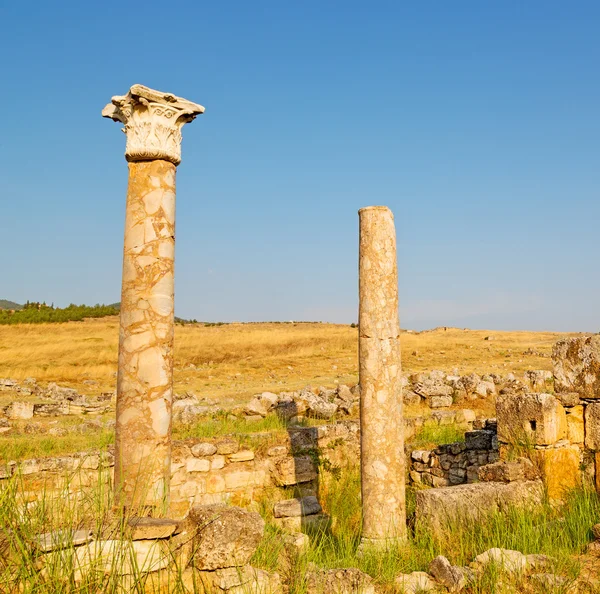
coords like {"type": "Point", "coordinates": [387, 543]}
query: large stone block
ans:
{"type": "Point", "coordinates": [436, 507]}
{"type": "Point", "coordinates": [592, 426]}
{"type": "Point", "coordinates": [302, 506]}
{"type": "Point", "coordinates": [560, 470]}
{"type": "Point", "coordinates": [293, 470]}
{"type": "Point", "coordinates": [575, 424]}
{"type": "Point", "coordinates": [577, 366]}
{"type": "Point", "coordinates": [225, 537]}
{"type": "Point", "coordinates": [536, 418]}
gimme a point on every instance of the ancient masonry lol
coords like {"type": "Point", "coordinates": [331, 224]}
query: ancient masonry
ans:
{"type": "Point", "coordinates": [382, 440]}
{"type": "Point", "coordinates": [153, 122]}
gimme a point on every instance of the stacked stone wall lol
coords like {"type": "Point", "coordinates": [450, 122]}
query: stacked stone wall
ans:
{"type": "Point", "coordinates": [455, 463]}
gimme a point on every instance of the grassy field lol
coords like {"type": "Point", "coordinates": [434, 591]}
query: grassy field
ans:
{"type": "Point", "coordinates": [229, 363]}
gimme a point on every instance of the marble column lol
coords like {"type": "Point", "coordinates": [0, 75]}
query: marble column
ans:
{"type": "Point", "coordinates": [381, 420]}
{"type": "Point", "coordinates": [153, 122]}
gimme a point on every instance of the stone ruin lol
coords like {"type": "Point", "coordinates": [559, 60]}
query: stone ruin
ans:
{"type": "Point", "coordinates": [539, 440]}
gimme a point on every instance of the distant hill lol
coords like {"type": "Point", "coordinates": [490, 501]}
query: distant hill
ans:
{"type": "Point", "coordinates": [6, 304]}
{"type": "Point", "coordinates": [34, 312]}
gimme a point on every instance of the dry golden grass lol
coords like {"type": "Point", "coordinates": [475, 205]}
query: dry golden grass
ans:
{"type": "Point", "coordinates": [235, 361]}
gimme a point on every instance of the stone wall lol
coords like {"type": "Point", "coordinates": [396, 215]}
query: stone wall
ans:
{"type": "Point", "coordinates": [207, 471]}
{"type": "Point", "coordinates": [455, 463]}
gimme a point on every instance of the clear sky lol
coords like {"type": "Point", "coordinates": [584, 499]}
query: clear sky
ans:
{"type": "Point", "coordinates": [476, 122]}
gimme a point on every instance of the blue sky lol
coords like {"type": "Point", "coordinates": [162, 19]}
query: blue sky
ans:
{"type": "Point", "coordinates": [477, 123]}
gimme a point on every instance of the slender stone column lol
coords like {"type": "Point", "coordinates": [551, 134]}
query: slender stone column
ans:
{"type": "Point", "coordinates": [381, 420]}
{"type": "Point", "coordinates": [153, 122]}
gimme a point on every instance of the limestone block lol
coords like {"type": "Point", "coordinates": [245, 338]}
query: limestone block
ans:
{"type": "Point", "coordinates": [432, 387]}
{"type": "Point", "coordinates": [236, 580]}
{"type": "Point", "coordinates": [60, 539]}
{"type": "Point", "coordinates": [440, 401]}
{"type": "Point", "coordinates": [151, 528]}
{"type": "Point", "coordinates": [226, 536]}
{"type": "Point", "coordinates": [303, 506]}
{"type": "Point", "coordinates": [575, 424]}
{"type": "Point", "coordinates": [242, 456]}
{"type": "Point", "coordinates": [293, 470]}
{"type": "Point", "coordinates": [416, 582]}
{"type": "Point", "coordinates": [339, 581]}
{"type": "Point", "coordinates": [197, 465]}
{"type": "Point", "coordinates": [120, 556]}
{"type": "Point", "coordinates": [316, 406]}
{"type": "Point", "coordinates": [592, 426]}
{"type": "Point", "coordinates": [256, 407]}
{"type": "Point", "coordinates": [509, 561]}
{"type": "Point", "coordinates": [560, 470]}
{"type": "Point", "coordinates": [20, 410]}
{"type": "Point", "coordinates": [279, 450]}
{"type": "Point", "coordinates": [537, 418]}
{"type": "Point", "coordinates": [203, 450]}
{"type": "Point", "coordinates": [314, 523]}
{"type": "Point", "coordinates": [217, 462]}
{"type": "Point", "coordinates": [577, 366]}
{"type": "Point", "coordinates": [465, 416]}
{"type": "Point", "coordinates": [238, 479]}
{"type": "Point", "coordinates": [434, 507]}
{"type": "Point", "coordinates": [215, 483]}
{"type": "Point", "coordinates": [568, 399]}
{"type": "Point", "coordinates": [453, 578]}
{"type": "Point", "coordinates": [227, 446]}
{"type": "Point", "coordinates": [507, 472]}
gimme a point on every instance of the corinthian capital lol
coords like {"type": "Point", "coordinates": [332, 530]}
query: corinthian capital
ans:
{"type": "Point", "coordinates": [153, 122]}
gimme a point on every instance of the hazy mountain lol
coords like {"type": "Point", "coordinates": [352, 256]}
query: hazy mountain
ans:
{"type": "Point", "coordinates": [6, 304]}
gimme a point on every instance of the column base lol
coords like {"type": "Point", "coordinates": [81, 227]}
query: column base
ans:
{"type": "Point", "coordinates": [379, 544]}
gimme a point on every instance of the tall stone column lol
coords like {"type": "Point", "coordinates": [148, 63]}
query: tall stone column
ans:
{"type": "Point", "coordinates": [153, 122]}
{"type": "Point", "coordinates": [381, 420]}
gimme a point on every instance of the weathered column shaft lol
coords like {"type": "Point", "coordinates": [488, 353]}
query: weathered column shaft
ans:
{"type": "Point", "coordinates": [145, 377]}
{"type": "Point", "coordinates": [381, 420]}
{"type": "Point", "coordinates": [153, 122]}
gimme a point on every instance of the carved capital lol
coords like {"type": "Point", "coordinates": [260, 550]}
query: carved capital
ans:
{"type": "Point", "coordinates": [153, 122]}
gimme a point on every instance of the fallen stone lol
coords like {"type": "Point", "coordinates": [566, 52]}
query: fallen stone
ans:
{"type": "Point", "coordinates": [415, 583]}
{"type": "Point", "coordinates": [312, 524]}
{"type": "Point", "coordinates": [446, 574]}
{"type": "Point", "coordinates": [60, 539]}
{"type": "Point", "coordinates": [316, 406]}
{"type": "Point", "coordinates": [435, 507]}
{"type": "Point", "coordinates": [505, 559]}
{"type": "Point", "coordinates": [339, 581]}
{"type": "Point", "coordinates": [226, 536]}
{"type": "Point", "coordinates": [304, 506]}
{"type": "Point", "coordinates": [297, 542]}
{"type": "Point", "coordinates": [440, 401]}
{"type": "Point", "coordinates": [256, 407]}
{"type": "Point", "coordinates": [19, 411]}
{"type": "Point", "coordinates": [151, 528]}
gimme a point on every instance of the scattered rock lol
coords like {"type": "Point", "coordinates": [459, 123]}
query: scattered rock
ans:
{"type": "Point", "coordinates": [506, 559]}
{"type": "Point", "coordinates": [454, 578]}
{"type": "Point", "coordinates": [303, 506]}
{"type": "Point", "coordinates": [415, 583]}
{"type": "Point", "coordinates": [226, 536]}
{"type": "Point", "coordinates": [339, 581]}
